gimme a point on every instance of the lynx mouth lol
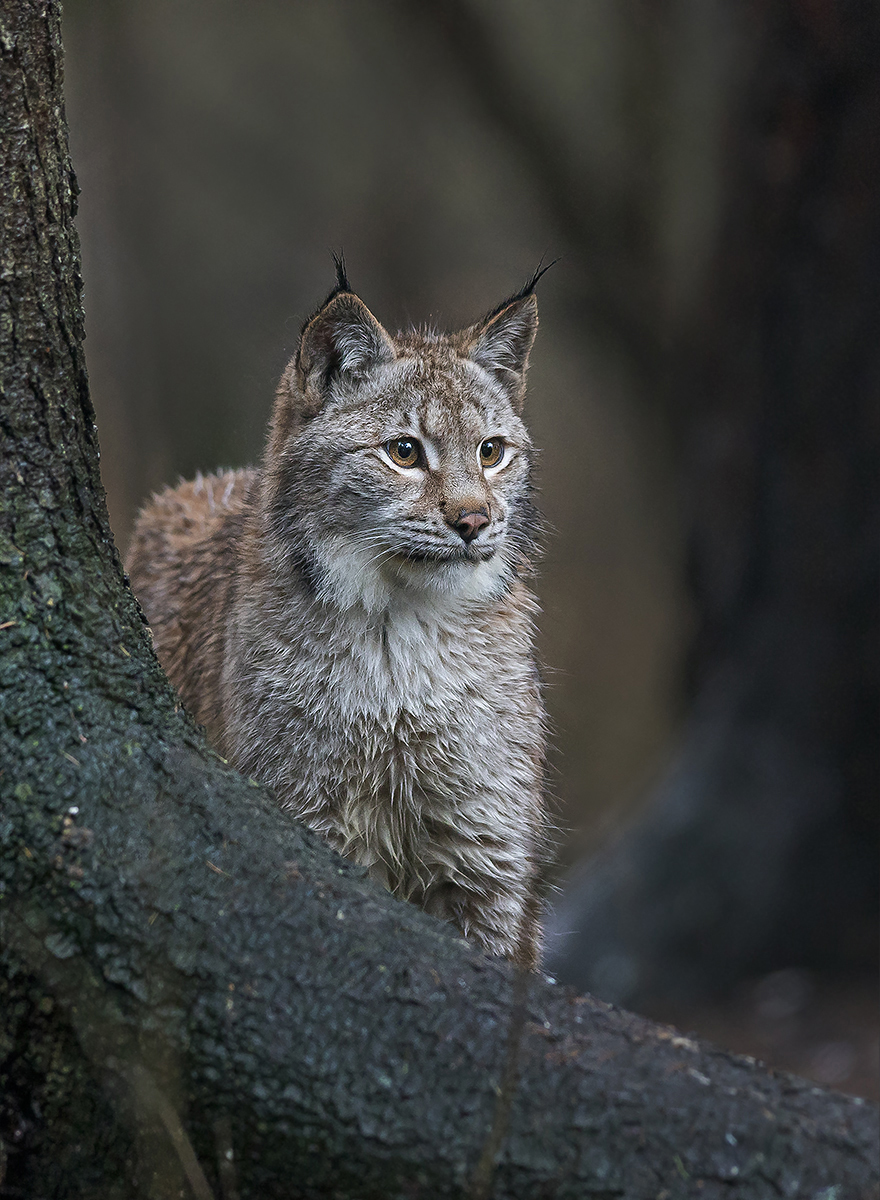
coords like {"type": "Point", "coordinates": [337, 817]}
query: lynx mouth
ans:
{"type": "Point", "coordinates": [467, 554]}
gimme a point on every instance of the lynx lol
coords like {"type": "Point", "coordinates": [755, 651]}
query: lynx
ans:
{"type": "Point", "coordinates": [351, 620]}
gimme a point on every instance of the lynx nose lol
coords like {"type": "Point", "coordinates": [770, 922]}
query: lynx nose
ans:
{"type": "Point", "coordinates": [469, 524]}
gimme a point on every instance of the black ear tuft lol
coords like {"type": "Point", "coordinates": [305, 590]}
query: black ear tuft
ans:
{"type": "Point", "coordinates": [526, 290]}
{"type": "Point", "coordinates": [341, 287]}
{"type": "Point", "coordinates": [342, 284]}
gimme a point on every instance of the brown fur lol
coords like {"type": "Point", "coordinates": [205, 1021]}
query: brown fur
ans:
{"type": "Point", "coordinates": [183, 561]}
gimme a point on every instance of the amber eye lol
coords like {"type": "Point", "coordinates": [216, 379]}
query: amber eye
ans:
{"type": "Point", "coordinates": [406, 452]}
{"type": "Point", "coordinates": [491, 452]}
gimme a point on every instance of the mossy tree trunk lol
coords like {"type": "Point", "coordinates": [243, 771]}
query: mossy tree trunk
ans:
{"type": "Point", "coordinates": [197, 997]}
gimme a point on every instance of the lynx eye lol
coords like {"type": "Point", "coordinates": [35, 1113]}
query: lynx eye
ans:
{"type": "Point", "coordinates": [491, 452]}
{"type": "Point", "coordinates": [406, 452]}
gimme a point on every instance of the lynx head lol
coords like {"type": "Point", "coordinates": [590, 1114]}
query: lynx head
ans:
{"type": "Point", "coordinates": [400, 465]}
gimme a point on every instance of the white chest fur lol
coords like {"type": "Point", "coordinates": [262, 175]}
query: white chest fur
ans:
{"type": "Point", "coordinates": [426, 702]}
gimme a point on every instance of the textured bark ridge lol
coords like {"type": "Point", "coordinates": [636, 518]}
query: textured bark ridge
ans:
{"type": "Point", "coordinates": [197, 997]}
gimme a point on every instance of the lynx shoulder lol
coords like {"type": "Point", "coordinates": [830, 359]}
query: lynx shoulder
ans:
{"type": "Point", "coordinates": [352, 623]}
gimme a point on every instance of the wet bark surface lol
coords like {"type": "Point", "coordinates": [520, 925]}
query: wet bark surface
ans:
{"type": "Point", "coordinates": [197, 997]}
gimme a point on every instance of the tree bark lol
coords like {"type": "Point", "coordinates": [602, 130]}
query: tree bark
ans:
{"type": "Point", "coordinates": [197, 997]}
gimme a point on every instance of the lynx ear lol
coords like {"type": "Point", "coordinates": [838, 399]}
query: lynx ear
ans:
{"type": "Point", "coordinates": [342, 339]}
{"type": "Point", "coordinates": [500, 343]}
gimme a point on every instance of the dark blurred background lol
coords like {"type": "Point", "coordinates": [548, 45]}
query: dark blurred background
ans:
{"type": "Point", "coordinates": [704, 390]}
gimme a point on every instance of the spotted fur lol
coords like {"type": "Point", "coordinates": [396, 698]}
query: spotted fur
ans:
{"type": "Point", "coordinates": [342, 640]}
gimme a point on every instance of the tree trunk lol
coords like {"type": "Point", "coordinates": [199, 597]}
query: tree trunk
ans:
{"type": "Point", "coordinates": [197, 997]}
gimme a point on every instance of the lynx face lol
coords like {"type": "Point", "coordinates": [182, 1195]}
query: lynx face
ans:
{"type": "Point", "coordinates": [401, 465]}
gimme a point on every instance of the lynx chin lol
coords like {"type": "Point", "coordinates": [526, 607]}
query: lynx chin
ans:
{"type": "Point", "coordinates": [351, 622]}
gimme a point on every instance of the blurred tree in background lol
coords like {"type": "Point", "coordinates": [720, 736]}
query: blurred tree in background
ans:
{"type": "Point", "coordinates": [760, 847]}
{"type": "Point", "coordinates": [704, 387]}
